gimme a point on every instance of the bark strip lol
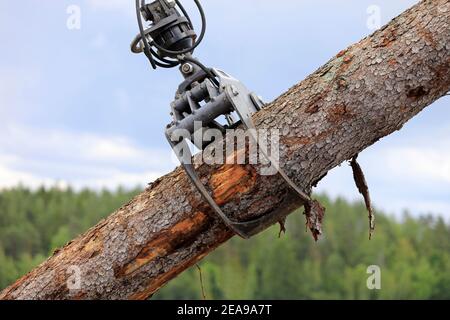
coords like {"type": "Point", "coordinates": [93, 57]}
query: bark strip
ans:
{"type": "Point", "coordinates": [363, 188]}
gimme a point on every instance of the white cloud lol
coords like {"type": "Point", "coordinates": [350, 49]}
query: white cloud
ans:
{"type": "Point", "coordinates": [10, 178]}
{"type": "Point", "coordinates": [118, 178]}
{"type": "Point", "coordinates": [85, 147]}
{"type": "Point", "coordinates": [419, 163]}
{"type": "Point", "coordinates": [413, 176]}
{"type": "Point", "coordinates": [38, 156]}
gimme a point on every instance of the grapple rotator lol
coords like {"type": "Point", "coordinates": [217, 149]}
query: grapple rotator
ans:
{"type": "Point", "coordinates": [205, 95]}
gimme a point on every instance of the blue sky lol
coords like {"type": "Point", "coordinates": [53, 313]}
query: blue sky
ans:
{"type": "Point", "coordinates": [76, 107]}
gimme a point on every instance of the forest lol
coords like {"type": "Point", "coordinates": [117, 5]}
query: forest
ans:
{"type": "Point", "coordinates": [413, 253]}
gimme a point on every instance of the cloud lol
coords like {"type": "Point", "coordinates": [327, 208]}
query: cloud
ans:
{"type": "Point", "coordinates": [86, 147]}
{"type": "Point", "coordinates": [34, 156]}
{"type": "Point", "coordinates": [412, 175]}
{"type": "Point", "coordinates": [10, 178]}
{"type": "Point", "coordinates": [415, 163]}
{"type": "Point", "coordinates": [117, 178]}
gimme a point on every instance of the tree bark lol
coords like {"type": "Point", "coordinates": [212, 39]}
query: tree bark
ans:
{"type": "Point", "coordinates": [364, 93]}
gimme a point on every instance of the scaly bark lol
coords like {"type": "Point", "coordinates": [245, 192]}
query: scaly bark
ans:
{"type": "Point", "coordinates": [363, 94]}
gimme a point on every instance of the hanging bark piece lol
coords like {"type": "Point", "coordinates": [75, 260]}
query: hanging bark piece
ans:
{"type": "Point", "coordinates": [282, 224]}
{"type": "Point", "coordinates": [361, 184]}
{"type": "Point", "coordinates": [314, 213]}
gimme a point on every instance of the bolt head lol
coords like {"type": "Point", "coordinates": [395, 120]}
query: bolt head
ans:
{"type": "Point", "coordinates": [187, 68]}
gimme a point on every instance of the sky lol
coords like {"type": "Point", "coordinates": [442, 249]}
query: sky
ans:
{"type": "Point", "coordinates": [78, 108]}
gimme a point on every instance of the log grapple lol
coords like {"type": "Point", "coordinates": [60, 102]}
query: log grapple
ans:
{"type": "Point", "coordinates": [205, 95]}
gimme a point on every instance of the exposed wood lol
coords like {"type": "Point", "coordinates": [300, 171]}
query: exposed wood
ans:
{"type": "Point", "coordinates": [364, 93]}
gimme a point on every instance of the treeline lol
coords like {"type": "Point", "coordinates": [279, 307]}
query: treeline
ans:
{"type": "Point", "coordinates": [35, 223]}
{"type": "Point", "coordinates": [413, 254]}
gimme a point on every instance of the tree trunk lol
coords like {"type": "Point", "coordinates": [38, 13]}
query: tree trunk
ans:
{"type": "Point", "coordinates": [364, 93]}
